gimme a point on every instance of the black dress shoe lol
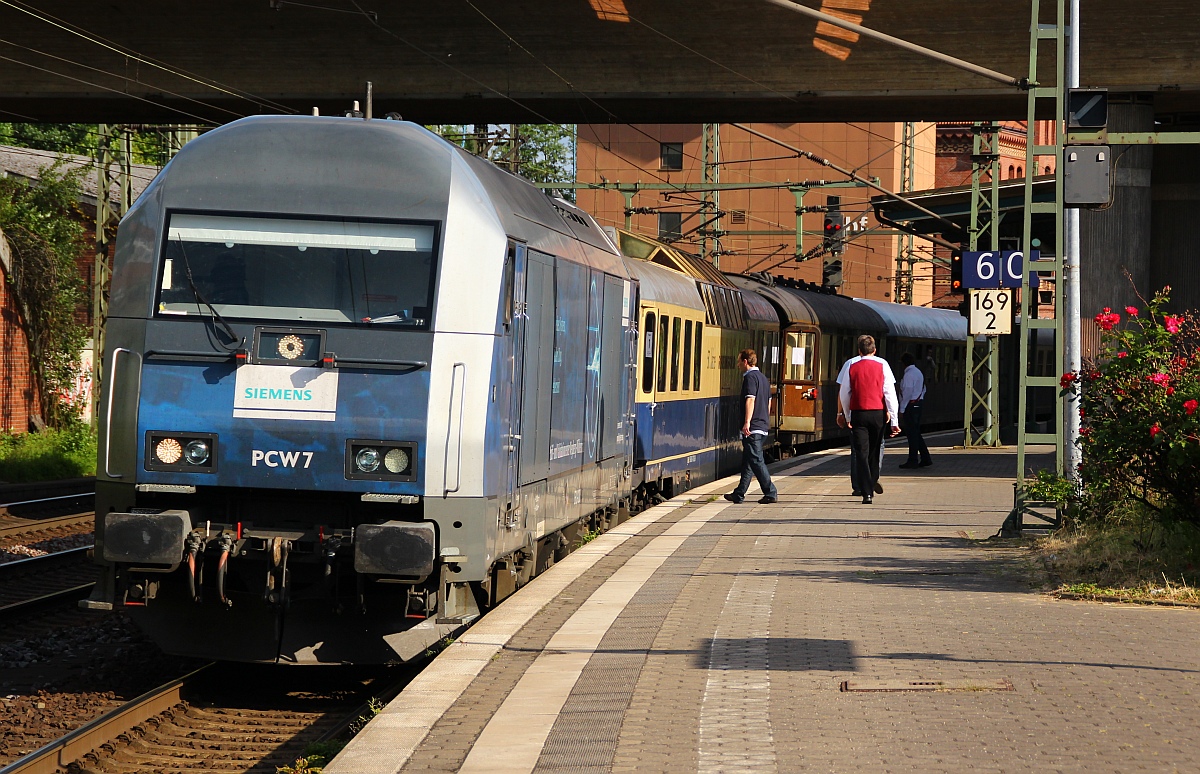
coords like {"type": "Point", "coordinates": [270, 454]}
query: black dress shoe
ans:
{"type": "Point", "coordinates": [926, 463]}
{"type": "Point", "coordinates": [768, 500]}
{"type": "Point", "coordinates": [731, 497]}
{"type": "Point", "coordinates": [878, 488]}
{"type": "Point", "coordinates": [857, 493]}
{"type": "Point", "coordinates": [868, 499]}
{"type": "Point", "coordinates": [909, 466]}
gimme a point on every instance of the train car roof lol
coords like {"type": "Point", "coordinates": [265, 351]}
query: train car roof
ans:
{"type": "Point", "coordinates": [916, 322]}
{"type": "Point", "coordinates": [665, 286]}
{"type": "Point", "coordinates": [798, 305]}
{"type": "Point", "coordinates": [760, 315]}
{"type": "Point", "coordinates": [652, 251]}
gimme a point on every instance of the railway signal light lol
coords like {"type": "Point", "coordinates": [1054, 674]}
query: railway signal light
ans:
{"type": "Point", "coordinates": [956, 272]}
{"type": "Point", "coordinates": [835, 233]}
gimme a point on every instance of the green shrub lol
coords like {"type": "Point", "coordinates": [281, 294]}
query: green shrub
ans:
{"type": "Point", "coordinates": [48, 455]}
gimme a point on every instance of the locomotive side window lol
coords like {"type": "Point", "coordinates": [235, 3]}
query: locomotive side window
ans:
{"type": "Point", "coordinates": [676, 332]}
{"type": "Point", "coordinates": [664, 331]}
{"type": "Point", "coordinates": [687, 355]}
{"type": "Point", "coordinates": [696, 360]}
{"type": "Point", "coordinates": [648, 354]}
{"type": "Point", "coordinates": [311, 270]}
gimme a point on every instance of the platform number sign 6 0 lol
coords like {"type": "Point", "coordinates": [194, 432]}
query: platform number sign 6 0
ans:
{"type": "Point", "coordinates": [995, 269]}
{"type": "Point", "coordinates": [991, 312]}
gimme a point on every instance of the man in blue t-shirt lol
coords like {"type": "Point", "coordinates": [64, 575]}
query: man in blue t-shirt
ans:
{"type": "Point", "coordinates": [756, 396]}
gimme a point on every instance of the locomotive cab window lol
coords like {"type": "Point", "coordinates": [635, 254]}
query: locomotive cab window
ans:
{"type": "Point", "coordinates": [311, 270]}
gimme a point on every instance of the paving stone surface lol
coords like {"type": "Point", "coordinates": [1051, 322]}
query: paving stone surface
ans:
{"type": "Point", "coordinates": [730, 656]}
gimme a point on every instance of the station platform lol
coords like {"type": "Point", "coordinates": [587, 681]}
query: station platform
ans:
{"type": "Point", "coordinates": [815, 634]}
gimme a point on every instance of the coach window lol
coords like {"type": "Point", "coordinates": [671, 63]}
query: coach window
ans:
{"type": "Point", "coordinates": [676, 333]}
{"type": "Point", "coordinates": [670, 155]}
{"type": "Point", "coordinates": [696, 370]}
{"type": "Point", "coordinates": [648, 354]}
{"type": "Point", "coordinates": [664, 330]}
{"type": "Point", "coordinates": [687, 355]}
{"type": "Point", "coordinates": [799, 356]}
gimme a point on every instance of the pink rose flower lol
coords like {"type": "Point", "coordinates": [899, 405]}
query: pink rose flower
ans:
{"type": "Point", "coordinates": [1122, 354]}
{"type": "Point", "coordinates": [1159, 378]}
{"type": "Point", "coordinates": [1171, 323]}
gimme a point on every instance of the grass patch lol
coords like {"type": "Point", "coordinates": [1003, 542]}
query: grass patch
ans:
{"type": "Point", "coordinates": [48, 455]}
{"type": "Point", "coordinates": [1142, 562]}
{"type": "Point", "coordinates": [588, 537]}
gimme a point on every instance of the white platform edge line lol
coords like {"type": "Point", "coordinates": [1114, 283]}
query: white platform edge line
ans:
{"type": "Point", "coordinates": [387, 743]}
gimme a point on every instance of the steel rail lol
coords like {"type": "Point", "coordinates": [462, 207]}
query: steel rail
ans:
{"type": "Point", "coordinates": [25, 606]}
{"type": "Point", "coordinates": [39, 525]}
{"type": "Point", "coordinates": [47, 499]}
{"type": "Point", "coordinates": [60, 753]}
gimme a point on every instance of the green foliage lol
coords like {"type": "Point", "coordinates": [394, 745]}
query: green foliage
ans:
{"type": "Point", "coordinates": [374, 707]}
{"type": "Point", "coordinates": [46, 241]}
{"type": "Point", "coordinates": [48, 455]}
{"type": "Point", "coordinates": [545, 153]}
{"type": "Point", "coordinates": [1140, 430]}
{"type": "Point", "coordinates": [79, 139]}
{"type": "Point", "coordinates": [1048, 486]}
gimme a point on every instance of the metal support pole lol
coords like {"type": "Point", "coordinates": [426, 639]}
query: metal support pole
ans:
{"type": "Point", "coordinates": [983, 362]}
{"type": "Point", "coordinates": [799, 194]}
{"type": "Point", "coordinates": [710, 209]}
{"type": "Point", "coordinates": [905, 259]}
{"type": "Point", "coordinates": [1072, 345]}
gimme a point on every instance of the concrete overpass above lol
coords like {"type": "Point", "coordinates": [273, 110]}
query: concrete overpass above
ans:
{"type": "Point", "coordinates": [461, 61]}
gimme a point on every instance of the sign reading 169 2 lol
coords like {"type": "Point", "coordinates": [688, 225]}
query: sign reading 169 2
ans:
{"type": "Point", "coordinates": [991, 312]}
{"type": "Point", "coordinates": [995, 268]}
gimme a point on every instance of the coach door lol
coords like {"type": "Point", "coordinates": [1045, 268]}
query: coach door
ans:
{"type": "Point", "coordinates": [648, 362]}
{"type": "Point", "coordinates": [800, 390]}
{"type": "Point", "coordinates": [536, 369]}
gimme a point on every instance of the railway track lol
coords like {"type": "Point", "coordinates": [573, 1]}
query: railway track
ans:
{"type": "Point", "coordinates": [27, 585]}
{"type": "Point", "coordinates": [228, 718]}
{"type": "Point", "coordinates": [44, 518]}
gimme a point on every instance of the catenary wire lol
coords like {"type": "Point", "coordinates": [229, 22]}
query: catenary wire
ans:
{"type": "Point", "coordinates": [98, 40]}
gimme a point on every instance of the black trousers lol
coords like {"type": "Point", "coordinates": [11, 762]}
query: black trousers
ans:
{"type": "Point", "coordinates": [867, 437]}
{"type": "Point", "coordinates": [910, 421]}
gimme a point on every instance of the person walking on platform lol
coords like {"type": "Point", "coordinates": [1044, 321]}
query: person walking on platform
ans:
{"type": "Point", "coordinates": [869, 394]}
{"type": "Point", "coordinates": [858, 489]}
{"type": "Point", "coordinates": [756, 397]}
{"type": "Point", "coordinates": [912, 397]}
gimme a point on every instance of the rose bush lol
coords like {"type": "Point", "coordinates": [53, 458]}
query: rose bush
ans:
{"type": "Point", "coordinates": [1140, 432]}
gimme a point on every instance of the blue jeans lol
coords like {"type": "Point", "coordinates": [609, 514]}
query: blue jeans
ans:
{"type": "Point", "coordinates": [754, 466]}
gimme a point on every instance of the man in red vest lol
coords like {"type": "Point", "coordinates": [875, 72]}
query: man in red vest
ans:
{"type": "Point", "coordinates": [868, 398]}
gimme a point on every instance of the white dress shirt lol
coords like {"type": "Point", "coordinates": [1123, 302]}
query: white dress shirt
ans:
{"type": "Point", "coordinates": [889, 387]}
{"type": "Point", "coordinates": [912, 386]}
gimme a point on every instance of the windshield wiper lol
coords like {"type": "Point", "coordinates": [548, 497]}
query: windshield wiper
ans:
{"type": "Point", "coordinates": [233, 337]}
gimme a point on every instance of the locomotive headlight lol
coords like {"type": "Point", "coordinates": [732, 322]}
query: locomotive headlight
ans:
{"type": "Point", "coordinates": [168, 451]}
{"type": "Point", "coordinates": [367, 460]}
{"type": "Point", "coordinates": [396, 461]}
{"type": "Point", "coordinates": [196, 452]}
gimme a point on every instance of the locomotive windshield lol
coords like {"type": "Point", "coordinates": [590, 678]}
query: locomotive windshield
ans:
{"type": "Point", "coordinates": [311, 270]}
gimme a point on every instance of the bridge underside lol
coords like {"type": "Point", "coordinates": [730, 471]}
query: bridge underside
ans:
{"type": "Point", "coordinates": [562, 60]}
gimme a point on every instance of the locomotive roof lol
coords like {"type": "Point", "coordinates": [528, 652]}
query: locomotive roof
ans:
{"type": "Point", "coordinates": [916, 322]}
{"type": "Point", "coordinates": [298, 166]}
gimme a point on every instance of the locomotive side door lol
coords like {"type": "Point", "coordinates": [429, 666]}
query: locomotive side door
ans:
{"type": "Point", "coordinates": [800, 389]}
{"type": "Point", "coordinates": [514, 281]}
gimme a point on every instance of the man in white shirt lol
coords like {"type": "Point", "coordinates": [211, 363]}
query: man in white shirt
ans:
{"type": "Point", "coordinates": [869, 395]}
{"type": "Point", "coordinates": [912, 398]}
